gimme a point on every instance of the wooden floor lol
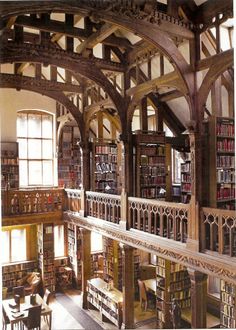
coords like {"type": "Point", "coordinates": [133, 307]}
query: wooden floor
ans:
{"type": "Point", "coordinates": [63, 318]}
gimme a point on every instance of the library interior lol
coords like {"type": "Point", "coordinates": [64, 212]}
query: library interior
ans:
{"type": "Point", "coordinates": [117, 164]}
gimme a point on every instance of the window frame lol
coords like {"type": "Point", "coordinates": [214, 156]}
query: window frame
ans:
{"type": "Point", "coordinates": [9, 231]}
{"type": "Point", "coordinates": [64, 250]}
{"type": "Point", "coordinates": [42, 160]}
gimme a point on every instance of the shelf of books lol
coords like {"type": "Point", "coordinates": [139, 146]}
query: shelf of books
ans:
{"type": "Point", "coordinates": [172, 282]}
{"type": "Point", "coordinates": [185, 181]}
{"type": "Point", "coordinates": [150, 161]}
{"type": "Point", "coordinates": [106, 158]}
{"type": "Point", "coordinates": [45, 237]}
{"type": "Point", "coordinates": [106, 299]}
{"type": "Point", "coordinates": [222, 162]}
{"type": "Point", "coordinates": [9, 165]}
{"type": "Point", "coordinates": [228, 305]}
{"type": "Point", "coordinates": [11, 273]}
{"type": "Point", "coordinates": [69, 158]}
{"type": "Point", "coordinates": [74, 254]}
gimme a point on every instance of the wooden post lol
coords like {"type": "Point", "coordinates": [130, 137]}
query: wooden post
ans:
{"type": "Point", "coordinates": [100, 124]}
{"type": "Point", "coordinates": [127, 176]}
{"type": "Point", "coordinates": [168, 173]}
{"type": "Point", "coordinates": [143, 114]}
{"type": "Point", "coordinates": [128, 286]}
{"type": "Point", "coordinates": [198, 299]}
{"type": "Point", "coordinates": [86, 263]}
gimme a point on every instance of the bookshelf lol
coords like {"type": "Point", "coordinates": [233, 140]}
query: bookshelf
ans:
{"type": "Point", "coordinates": [11, 273]}
{"type": "Point", "coordinates": [108, 302]}
{"type": "Point", "coordinates": [69, 158]}
{"type": "Point", "coordinates": [150, 161]}
{"type": "Point", "coordinates": [113, 264]}
{"type": "Point", "coordinates": [9, 165]}
{"type": "Point", "coordinates": [185, 181]}
{"type": "Point", "coordinates": [172, 282]}
{"type": "Point", "coordinates": [63, 273]}
{"type": "Point", "coordinates": [74, 254]}
{"type": "Point", "coordinates": [222, 162]}
{"type": "Point", "coordinates": [106, 163]}
{"type": "Point", "coordinates": [228, 305]}
{"type": "Point", "coordinates": [45, 236]}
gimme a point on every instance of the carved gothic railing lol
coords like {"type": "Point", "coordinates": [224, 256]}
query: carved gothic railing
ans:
{"type": "Point", "coordinates": [18, 202]}
{"type": "Point", "coordinates": [103, 206]}
{"type": "Point", "coordinates": [73, 200]}
{"type": "Point", "coordinates": [163, 219]}
{"type": "Point", "coordinates": [219, 230]}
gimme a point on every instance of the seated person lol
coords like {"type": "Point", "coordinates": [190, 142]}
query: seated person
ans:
{"type": "Point", "coordinates": [32, 283]}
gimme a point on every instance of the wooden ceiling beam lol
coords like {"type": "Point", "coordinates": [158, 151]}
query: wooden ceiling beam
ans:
{"type": "Point", "coordinates": [52, 26]}
{"type": "Point", "coordinates": [210, 9]}
{"type": "Point", "coordinates": [209, 61]}
{"type": "Point", "coordinates": [165, 97]}
{"type": "Point", "coordinates": [171, 79]}
{"type": "Point", "coordinates": [105, 31]}
{"type": "Point", "coordinates": [19, 82]}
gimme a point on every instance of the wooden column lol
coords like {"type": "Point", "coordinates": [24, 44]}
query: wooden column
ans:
{"type": "Point", "coordinates": [86, 263]}
{"type": "Point", "coordinates": [168, 172]}
{"type": "Point", "coordinates": [127, 171]}
{"type": "Point", "coordinates": [69, 20]}
{"type": "Point", "coordinates": [100, 124]}
{"type": "Point", "coordinates": [216, 98]}
{"type": "Point", "coordinates": [193, 241]}
{"type": "Point", "coordinates": [143, 114]}
{"type": "Point", "coordinates": [85, 162]}
{"type": "Point", "coordinates": [128, 286]}
{"type": "Point", "coordinates": [198, 299]}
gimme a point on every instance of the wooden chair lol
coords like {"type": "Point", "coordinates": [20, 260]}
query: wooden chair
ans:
{"type": "Point", "coordinates": [33, 320]}
{"type": "Point", "coordinates": [19, 290]}
{"type": "Point", "coordinates": [47, 296]}
{"type": "Point", "coordinates": [5, 320]}
{"type": "Point", "coordinates": [142, 295]}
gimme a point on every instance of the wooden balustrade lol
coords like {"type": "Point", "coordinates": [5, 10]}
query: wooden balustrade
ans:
{"type": "Point", "coordinates": [160, 218]}
{"type": "Point", "coordinates": [73, 200]}
{"type": "Point", "coordinates": [17, 202]}
{"type": "Point", "coordinates": [103, 206]}
{"type": "Point", "coordinates": [219, 230]}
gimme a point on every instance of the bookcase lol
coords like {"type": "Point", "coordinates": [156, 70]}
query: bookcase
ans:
{"type": "Point", "coordinates": [110, 254]}
{"type": "Point", "coordinates": [172, 282]}
{"type": "Point", "coordinates": [45, 236]}
{"type": "Point", "coordinates": [9, 165]}
{"type": "Point", "coordinates": [222, 162]}
{"type": "Point", "coordinates": [74, 254]}
{"type": "Point", "coordinates": [108, 302]}
{"type": "Point", "coordinates": [69, 158]}
{"type": "Point", "coordinates": [185, 181]}
{"type": "Point", "coordinates": [106, 159]}
{"type": "Point", "coordinates": [113, 264]}
{"type": "Point", "coordinates": [150, 164]}
{"type": "Point", "coordinates": [228, 305]}
{"type": "Point", "coordinates": [13, 272]}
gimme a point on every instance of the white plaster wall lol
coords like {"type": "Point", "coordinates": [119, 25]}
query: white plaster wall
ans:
{"type": "Point", "coordinates": [11, 101]}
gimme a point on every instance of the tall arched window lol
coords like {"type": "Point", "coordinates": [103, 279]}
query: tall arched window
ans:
{"type": "Point", "coordinates": [36, 148]}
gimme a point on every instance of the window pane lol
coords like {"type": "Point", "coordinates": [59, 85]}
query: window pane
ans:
{"type": "Point", "coordinates": [47, 172]}
{"type": "Point", "coordinates": [34, 125]}
{"type": "Point", "coordinates": [59, 241]}
{"type": "Point", "coordinates": [47, 149]}
{"type": "Point", "coordinates": [96, 242]}
{"type": "Point", "coordinates": [22, 125]}
{"type": "Point", "coordinates": [34, 149]}
{"type": "Point", "coordinates": [5, 246]}
{"type": "Point", "coordinates": [22, 148]}
{"type": "Point", "coordinates": [35, 172]}
{"type": "Point", "coordinates": [47, 126]}
{"type": "Point", "coordinates": [18, 245]}
{"type": "Point", "coordinates": [23, 172]}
